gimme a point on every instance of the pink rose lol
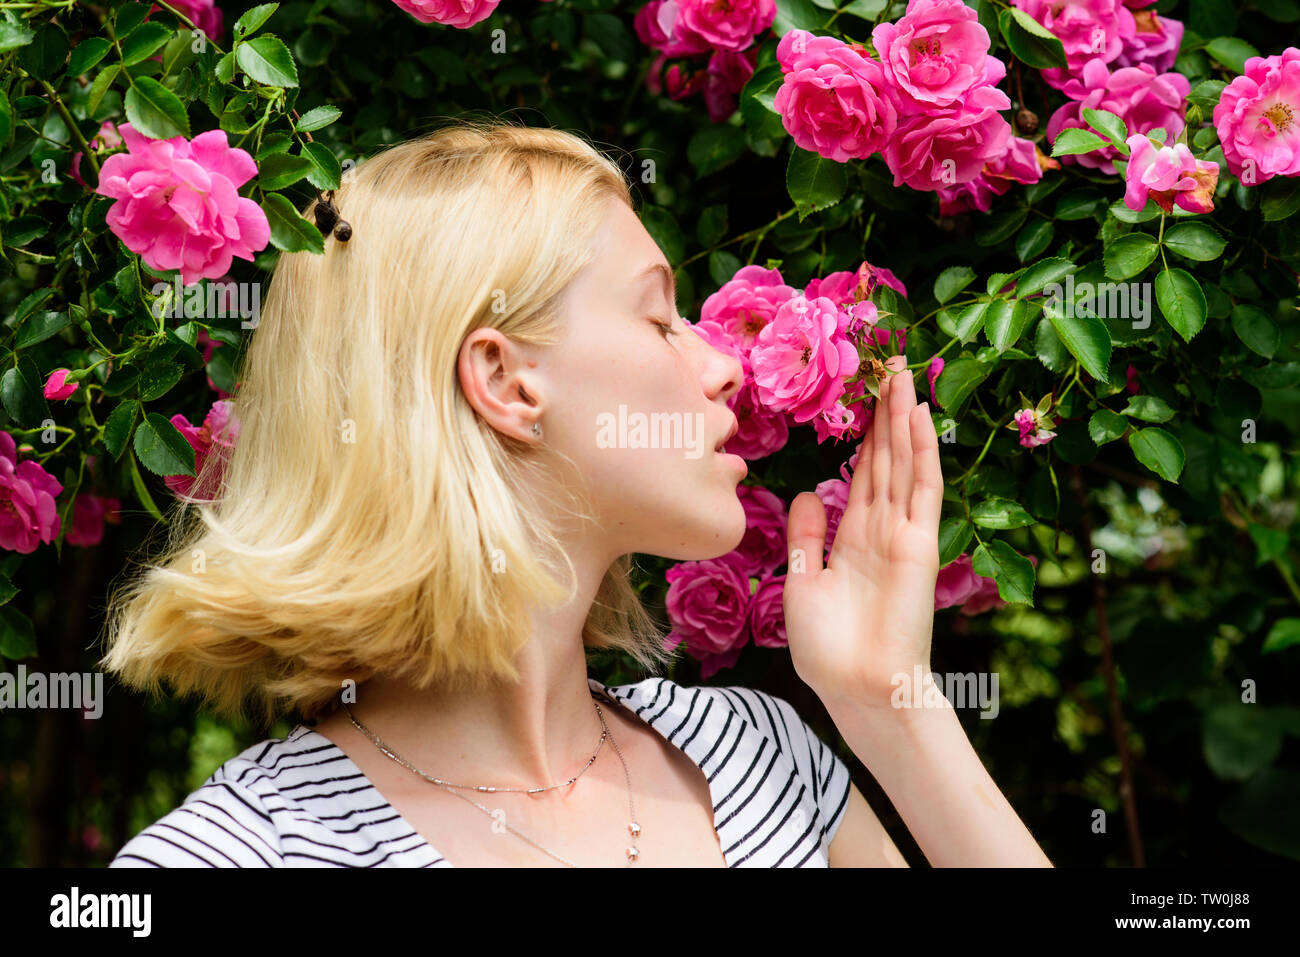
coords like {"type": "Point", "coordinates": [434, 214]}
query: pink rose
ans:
{"type": "Point", "coordinates": [746, 303]}
{"type": "Point", "coordinates": [802, 357]}
{"type": "Point", "coordinates": [950, 145]}
{"type": "Point", "coordinates": [57, 386]}
{"type": "Point", "coordinates": [1022, 162]}
{"type": "Point", "coordinates": [1258, 119]}
{"type": "Point", "coordinates": [178, 205]}
{"type": "Point", "coordinates": [935, 54]}
{"type": "Point", "coordinates": [1034, 429]}
{"type": "Point", "coordinates": [1131, 380]}
{"type": "Point", "coordinates": [204, 14]}
{"type": "Point", "coordinates": [767, 613]}
{"type": "Point", "coordinates": [847, 287]}
{"type": "Point", "coordinates": [452, 13]}
{"type": "Point", "coordinates": [762, 549]}
{"type": "Point", "coordinates": [1139, 96]}
{"type": "Point", "coordinates": [708, 605]}
{"type": "Point", "coordinates": [1156, 42]}
{"type": "Point", "coordinates": [89, 512]}
{"type": "Point", "coordinates": [107, 138]}
{"type": "Point", "coordinates": [660, 27]}
{"type": "Point", "coordinates": [1088, 29]}
{"type": "Point", "coordinates": [955, 583]}
{"type": "Point", "coordinates": [727, 26]}
{"type": "Point", "coordinates": [833, 100]}
{"type": "Point", "coordinates": [984, 598]}
{"type": "Point", "coordinates": [27, 492]}
{"type": "Point", "coordinates": [845, 419]}
{"type": "Point", "coordinates": [834, 495]}
{"type": "Point", "coordinates": [761, 431]}
{"type": "Point", "coordinates": [933, 373]}
{"type": "Point", "coordinates": [725, 77]}
{"type": "Point", "coordinates": [1169, 175]}
{"type": "Point", "coordinates": [219, 432]}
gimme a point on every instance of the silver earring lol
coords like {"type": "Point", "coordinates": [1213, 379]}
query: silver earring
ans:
{"type": "Point", "coordinates": [537, 429]}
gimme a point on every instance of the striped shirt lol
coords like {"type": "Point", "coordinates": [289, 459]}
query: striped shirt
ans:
{"type": "Point", "coordinates": [778, 793]}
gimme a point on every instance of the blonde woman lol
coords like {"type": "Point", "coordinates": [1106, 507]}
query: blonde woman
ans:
{"type": "Point", "coordinates": [419, 536]}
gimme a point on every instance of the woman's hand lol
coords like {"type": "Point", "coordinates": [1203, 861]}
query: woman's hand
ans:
{"type": "Point", "coordinates": [868, 615]}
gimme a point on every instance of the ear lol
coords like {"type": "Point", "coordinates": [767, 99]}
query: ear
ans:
{"type": "Point", "coordinates": [497, 378]}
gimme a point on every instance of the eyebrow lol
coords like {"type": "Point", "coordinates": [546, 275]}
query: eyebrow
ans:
{"type": "Point", "coordinates": [666, 277]}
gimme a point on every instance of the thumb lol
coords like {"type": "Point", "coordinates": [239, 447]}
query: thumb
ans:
{"type": "Point", "coordinates": [805, 537]}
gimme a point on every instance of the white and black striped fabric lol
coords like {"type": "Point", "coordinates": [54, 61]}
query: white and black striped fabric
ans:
{"type": "Point", "coordinates": [778, 793]}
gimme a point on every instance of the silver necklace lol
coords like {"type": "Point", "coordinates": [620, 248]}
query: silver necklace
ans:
{"type": "Point", "coordinates": [633, 827]}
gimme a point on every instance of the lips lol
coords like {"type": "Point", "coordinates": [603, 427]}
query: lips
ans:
{"type": "Point", "coordinates": [735, 427]}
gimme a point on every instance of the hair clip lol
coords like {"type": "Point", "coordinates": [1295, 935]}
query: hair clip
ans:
{"type": "Point", "coordinates": [327, 217]}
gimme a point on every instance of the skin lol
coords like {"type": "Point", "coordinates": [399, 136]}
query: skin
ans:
{"type": "Point", "coordinates": [865, 616]}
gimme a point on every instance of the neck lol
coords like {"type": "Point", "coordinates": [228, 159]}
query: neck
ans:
{"type": "Point", "coordinates": [535, 732]}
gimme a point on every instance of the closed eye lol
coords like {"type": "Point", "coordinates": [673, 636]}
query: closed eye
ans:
{"type": "Point", "coordinates": [666, 328]}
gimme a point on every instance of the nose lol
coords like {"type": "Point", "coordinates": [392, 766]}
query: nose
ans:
{"type": "Point", "coordinates": [723, 373]}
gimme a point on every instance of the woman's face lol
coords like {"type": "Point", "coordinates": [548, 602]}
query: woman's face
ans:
{"type": "Point", "coordinates": [641, 409]}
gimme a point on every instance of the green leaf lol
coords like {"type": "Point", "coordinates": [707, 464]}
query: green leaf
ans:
{"type": "Point", "coordinates": [1109, 125]}
{"type": "Point", "coordinates": [1030, 41]}
{"type": "Point", "coordinates": [14, 33]}
{"type": "Point", "coordinates": [1129, 255]}
{"type": "Point", "coordinates": [289, 231]}
{"type": "Point", "coordinates": [712, 225]}
{"type": "Point", "coordinates": [157, 379]}
{"type": "Point", "coordinates": [1256, 329]}
{"type": "Point", "coordinates": [144, 41]}
{"type": "Point", "coordinates": [813, 181]}
{"type": "Point", "coordinates": [17, 636]}
{"type": "Point", "coordinates": [40, 327]}
{"type": "Point", "coordinates": [1159, 451]}
{"type": "Point", "coordinates": [1240, 739]}
{"type": "Point", "coordinates": [723, 266]}
{"type": "Point", "coordinates": [1270, 543]}
{"type": "Point", "coordinates": [21, 391]}
{"type": "Point", "coordinates": [1035, 237]}
{"type": "Point", "coordinates": [326, 172]}
{"type": "Point", "coordinates": [1281, 198]}
{"type": "Point", "coordinates": [952, 281]}
{"type": "Point", "coordinates": [1148, 408]}
{"type": "Point", "coordinates": [267, 60]}
{"type": "Point", "coordinates": [100, 85]}
{"type": "Point", "coordinates": [1048, 347]}
{"type": "Point", "coordinates": [1086, 338]}
{"type": "Point", "coordinates": [957, 380]}
{"type": "Point", "coordinates": [1232, 52]}
{"type": "Point", "coordinates": [1106, 426]}
{"type": "Point", "coordinates": [142, 491]}
{"type": "Point", "coordinates": [317, 118]}
{"type": "Point", "coordinates": [1045, 271]}
{"type": "Point", "coordinates": [7, 590]}
{"type": "Point", "coordinates": [970, 321]}
{"type": "Point", "coordinates": [1073, 141]}
{"type": "Point", "coordinates": [251, 21]}
{"type": "Point", "coordinates": [45, 55]}
{"type": "Point", "coordinates": [1006, 322]}
{"type": "Point", "coordinates": [1182, 301]}
{"type": "Point", "coordinates": [117, 428]}
{"type": "Point", "coordinates": [1195, 241]}
{"type": "Point", "coordinates": [954, 535]}
{"type": "Point", "coordinates": [282, 169]}
{"type": "Point", "coordinates": [1284, 633]}
{"type": "Point", "coordinates": [1013, 572]}
{"type": "Point", "coordinates": [715, 147]}
{"type": "Point", "coordinates": [161, 447]}
{"type": "Point", "coordinates": [155, 110]}
{"type": "Point", "coordinates": [86, 54]}
{"type": "Point", "coordinates": [797, 15]}
{"type": "Point", "coordinates": [999, 512]}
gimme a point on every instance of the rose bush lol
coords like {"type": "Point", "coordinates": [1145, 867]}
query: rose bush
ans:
{"type": "Point", "coordinates": [1079, 222]}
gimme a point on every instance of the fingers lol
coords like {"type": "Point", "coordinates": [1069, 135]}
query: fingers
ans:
{"type": "Point", "coordinates": [902, 400]}
{"type": "Point", "coordinates": [881, 460]}
{"type": "Point", "coordinates": [927, 493]}
{"type": "Point", "coordinates": [806, 535]}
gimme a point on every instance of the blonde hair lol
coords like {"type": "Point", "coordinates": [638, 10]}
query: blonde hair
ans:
{"type": "Point", "coordinates": [323, 559]}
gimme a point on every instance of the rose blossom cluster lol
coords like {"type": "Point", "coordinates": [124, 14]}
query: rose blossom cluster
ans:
{"type": "Point", "coordinates": [1119, 58]}
{"type": "Point", "coordinates": [28, 515]}
{"type": "Point", "coordinates": [1169, 175]}
{"type": "Point", "coordinates": [710, 46]}
{"type": "Point", "coordinates": [929, 104]}
{"type": "Point", "coordinates": [798, 351]}
{"type": "Point", "coordinates": [716, 606]}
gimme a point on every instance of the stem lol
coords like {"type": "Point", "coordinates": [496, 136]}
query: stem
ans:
{"type": "Point", "coordinates": [1118, 727]}
{"type": "Point", "coordinates": [71, 125]}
